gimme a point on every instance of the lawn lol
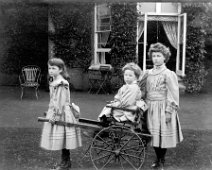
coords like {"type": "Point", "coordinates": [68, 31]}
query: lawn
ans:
{"type": "Point", "coordinates": [20, 132]}
{"type": "Point", "coordinates": [20, 151]}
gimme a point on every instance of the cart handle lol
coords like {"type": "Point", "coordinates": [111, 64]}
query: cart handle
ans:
{"type": "Point", "coordinates": [43, 119]}
{"type": "Point", "coordinates": [68, 124]}
{"type": "Point", "coordinates": [129, 109]}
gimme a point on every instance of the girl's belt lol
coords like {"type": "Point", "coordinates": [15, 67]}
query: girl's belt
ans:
{"type": "Point", "coordinates": [156, 95]}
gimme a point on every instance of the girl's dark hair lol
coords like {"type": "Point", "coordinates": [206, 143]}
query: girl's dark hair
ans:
{"type": "Point", "coordinates": [61, 65]}
{"type": "Point", "coordinates": [159, 47]}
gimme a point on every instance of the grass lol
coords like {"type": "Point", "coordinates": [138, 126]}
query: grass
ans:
{"type": "Point", "coordinates": [20, 132]}
{"type": "Point", "coordinates": [20, 151]}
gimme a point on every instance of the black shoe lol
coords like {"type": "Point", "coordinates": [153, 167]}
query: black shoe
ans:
{"type": "Point", "coordinates": [65, 166]}
{"type": "Point", "coordinates": [162, 163]}
{"type": "Point", "coordinates": [156, 164]}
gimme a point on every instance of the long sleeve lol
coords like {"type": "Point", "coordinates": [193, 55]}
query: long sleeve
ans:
{"type": "Point", "coordinates": [58, 98]}
{"type": "Point", "coordinates": [117, 97]}
{"type": "Point", "coordinates": [142, 83]}
{"type": "Point", "coordinates": [172, 92]}
{"type": "Point", "coordinates": [129, 95]}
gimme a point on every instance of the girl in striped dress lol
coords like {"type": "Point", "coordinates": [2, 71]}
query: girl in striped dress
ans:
{"type": "Point", "coordinates": [162, 97]}
{"type": "Point", "coordinates": [55, 137]}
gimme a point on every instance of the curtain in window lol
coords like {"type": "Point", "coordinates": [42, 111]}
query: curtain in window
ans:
{"type": "Point", "coordinates": [171, 32]}
{"type": "Point", "coordinates": [103, 24]}
{"type": "Point", "coordinates": [103, 38]}
{"type": "Point", "coordinates": [140, 29]}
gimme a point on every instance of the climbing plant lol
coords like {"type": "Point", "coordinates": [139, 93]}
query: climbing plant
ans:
{"type": "Point", "coordinates": [123, 34]}
{"type": "Point", "coordinates": [197, 26]}
{"type": "Point", "coordinates": [24, 30]}
{"type": "Point", "coordinates": [123, 38]}
{"type": "Point", "coordinates": [72, 35]}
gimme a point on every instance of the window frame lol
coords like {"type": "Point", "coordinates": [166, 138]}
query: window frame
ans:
{"type": "Point", "coordinates": [97, 49]}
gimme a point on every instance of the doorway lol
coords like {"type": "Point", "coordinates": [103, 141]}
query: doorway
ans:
{"type": "Point", "coordinates": [156, 33]}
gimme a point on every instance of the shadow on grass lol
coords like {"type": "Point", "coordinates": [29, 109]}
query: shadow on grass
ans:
{"type": "Point", "coordinates": [20, 151]}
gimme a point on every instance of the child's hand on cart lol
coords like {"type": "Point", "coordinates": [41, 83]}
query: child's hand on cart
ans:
{"type": "Point", "coordinates": [76, 110]}
{"type": "Point", "coordinates": [54, 118]}
{"type": "Point", "coordinates": [114, 103]}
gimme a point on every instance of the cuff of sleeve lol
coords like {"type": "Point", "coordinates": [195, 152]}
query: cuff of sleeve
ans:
{"type": "Point", "coordinates": [142, 105]}
{"type": "Point", "coordinates": [168, 114]}
{"type": "Point", "coordinates": [75, 110]}
{"type": "Point", "coordinates": [171, 107]}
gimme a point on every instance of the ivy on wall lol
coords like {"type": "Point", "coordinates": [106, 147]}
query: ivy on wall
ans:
{"type": "Point", "coordinates": [123, 34]}
{"type": "Point", "coordinates": [123, 39]}
{"type": "Point", "coordinates": [73, 31]}
{"type": "Point", "coordinates": [27, 38]}
{"type": "Point", "coordinates": [24, 30]}
{"type": "Point", "coordinates": [198, 23]}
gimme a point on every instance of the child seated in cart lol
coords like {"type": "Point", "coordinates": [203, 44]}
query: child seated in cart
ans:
{"type": "Point", "coordinates": [129, 96]}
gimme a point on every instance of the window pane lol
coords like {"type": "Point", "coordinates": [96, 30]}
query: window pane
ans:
{"type": "Point", "coordinates": [169, 7]}
{"type": "Point", "coordinates": [103, 10]}
{"type": "Point", "coordinates": [103, 58]}
{"type": "Point", "coordinates": [103, 17]}
{"type": "Point", "coordinates": [147, 7]}
{"type": "Point", "coordinates": [103, 24]}
{"type": "Point", "coordinates": [102, 39]}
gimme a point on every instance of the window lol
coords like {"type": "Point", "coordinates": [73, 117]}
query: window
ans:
{"type": "Point", "coordinates": [173, 25]}
{"type": "Point", "coordinates": [102, 29]}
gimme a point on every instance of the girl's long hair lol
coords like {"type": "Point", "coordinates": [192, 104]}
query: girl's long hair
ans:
{"type": "Point", "coordinates": [61, 65]}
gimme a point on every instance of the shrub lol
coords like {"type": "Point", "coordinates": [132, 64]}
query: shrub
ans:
{"type": "Point", "coordinates": [195, 47]}
{"type": "Point", "coordinates": [123, 35]}
{"type": "Point", "coordinates": [72, 36]}
{"type": "Point", "coordinates": [25, 37]}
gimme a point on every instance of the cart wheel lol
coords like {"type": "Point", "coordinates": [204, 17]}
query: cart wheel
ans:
{"type": "Point", "coordinates": [117, 146]}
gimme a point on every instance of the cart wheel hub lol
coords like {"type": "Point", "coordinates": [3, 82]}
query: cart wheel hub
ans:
{"type": "Point", "coordinates": [117, 152]}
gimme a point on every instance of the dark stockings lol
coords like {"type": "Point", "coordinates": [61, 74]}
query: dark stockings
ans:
{"type": "Point", "coordinates": [160, 153]}
{"type": "Point", "coordinates": [65, 155]}
{"type": "Point", "coordinates": [65, 160]}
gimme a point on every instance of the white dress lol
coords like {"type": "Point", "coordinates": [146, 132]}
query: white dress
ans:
{"type": "Point", "coordinates": [56, 137]}
{"type": "Point", "coordinates": [162, 97]}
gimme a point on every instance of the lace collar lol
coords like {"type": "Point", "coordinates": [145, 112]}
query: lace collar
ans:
{"type": "Point", "coordinates": [134, 82]}
{"type": "Point", "coordinates": [59, 82]}
{"type": "Point", "coordinates": [158, 69]}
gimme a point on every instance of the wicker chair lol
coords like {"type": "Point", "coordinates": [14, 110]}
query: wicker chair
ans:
{"type": "Point", "coordinates": [30, 77]}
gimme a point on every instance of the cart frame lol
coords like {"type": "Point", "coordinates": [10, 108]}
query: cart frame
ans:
{"type": "Point", "coordinates": [116, 143]}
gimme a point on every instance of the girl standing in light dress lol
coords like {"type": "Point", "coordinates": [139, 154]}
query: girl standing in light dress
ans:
{"type": "Point", "coordinates": [55, 137]}
{"type": "Point", "coordinates": [162, 97]}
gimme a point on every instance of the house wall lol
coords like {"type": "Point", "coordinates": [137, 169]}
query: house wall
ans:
{"type": "Point", "coordinates": [23, 39]}
{"type": "Point", "coordinates": [5, 42]}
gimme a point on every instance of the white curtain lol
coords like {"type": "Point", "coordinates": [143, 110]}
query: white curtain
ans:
{"type": "Point", "coordinates": [103, 39]}
{"type": "Point", "coordinates": [171, 32]}
{"type": "Point", "coordinates": [103, 10]}
{"type": "Point", "coordinates": [140, 29]}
